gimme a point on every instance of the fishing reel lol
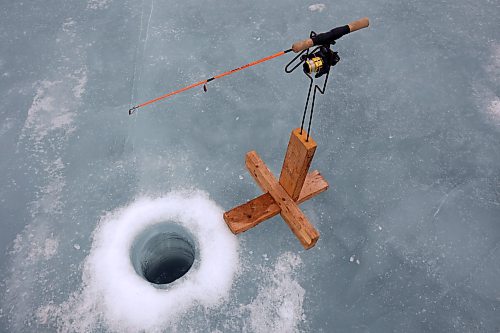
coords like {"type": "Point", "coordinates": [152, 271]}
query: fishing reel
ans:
{"type": "Point", "coordinates": [319, 62]}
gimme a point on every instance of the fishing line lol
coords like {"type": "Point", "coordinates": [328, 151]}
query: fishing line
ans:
{"type": "Point", "coordinates": [136, 56]}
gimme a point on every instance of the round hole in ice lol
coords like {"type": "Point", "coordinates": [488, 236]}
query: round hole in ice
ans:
{"type": "Point", "coordinates": [163, 253]}
{"type": "Point", "coordinates": [115, 287]}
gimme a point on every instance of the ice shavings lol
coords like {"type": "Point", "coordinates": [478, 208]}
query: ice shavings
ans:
{"type": "Point", "coordinates": [40, 248]}
{"type": "Point", "coordinates": [113, 293]}
{"type": "Point", "coordinates": [278, 304]}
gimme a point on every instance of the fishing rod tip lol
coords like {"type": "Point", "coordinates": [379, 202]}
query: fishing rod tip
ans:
{"type": "Point", "coordinates": [132, 110]}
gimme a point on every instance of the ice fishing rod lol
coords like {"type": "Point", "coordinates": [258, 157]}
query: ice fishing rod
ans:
{"type": "Point", "coordinates": [316, 64]}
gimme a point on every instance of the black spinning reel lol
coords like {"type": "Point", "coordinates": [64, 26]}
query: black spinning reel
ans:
{"type": "Point", "coordinates": [320, 61]}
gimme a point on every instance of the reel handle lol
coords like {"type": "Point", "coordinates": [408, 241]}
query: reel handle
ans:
{"type": "Point", "coordinates": [331, 35]}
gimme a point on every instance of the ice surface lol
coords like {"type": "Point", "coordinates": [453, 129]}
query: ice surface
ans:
{"type": "Point", "coordinates": [408, 137]}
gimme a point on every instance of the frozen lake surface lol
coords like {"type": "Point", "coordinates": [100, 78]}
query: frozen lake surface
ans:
{"type": "Point", "coordinates": [408, 137]}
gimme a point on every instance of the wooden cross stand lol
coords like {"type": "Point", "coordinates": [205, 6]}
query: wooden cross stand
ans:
{"type": "Point", "coordinates": [295, 186]}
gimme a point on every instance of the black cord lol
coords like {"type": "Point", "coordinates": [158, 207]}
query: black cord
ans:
{"type": "Point", "coordinates": [316, 88]}
{"type": "Point", "coordinates": [290, 67]}
{"type": "Point", "coordinates": [305, 107]}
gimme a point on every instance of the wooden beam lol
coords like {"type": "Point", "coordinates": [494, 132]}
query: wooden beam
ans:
{"type": "Point", "coordinates": [248, 215]}
{"type": "Point", "coordinates": [314, 185]}
{"type": "Point", "coordinates": [289, 210]}
{"type": "Point", "coordinates": [298, 158]}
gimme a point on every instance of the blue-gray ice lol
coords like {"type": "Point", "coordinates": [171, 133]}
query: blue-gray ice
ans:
{"type": "Point", "coordinates": [408, 137]}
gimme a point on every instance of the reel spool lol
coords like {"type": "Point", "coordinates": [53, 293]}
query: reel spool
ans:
{"type": "Point", "coordinates": [313, 65]}
{"type": "Point", "coordinates": [320, 62]}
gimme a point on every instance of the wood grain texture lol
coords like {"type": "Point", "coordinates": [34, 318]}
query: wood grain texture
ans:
{"type": "Point", "coordinates": [250, 214]}
{"type": "Point", "coordinates": [298, 158]}
{"type": "Point", "coordinates": [289, 210]}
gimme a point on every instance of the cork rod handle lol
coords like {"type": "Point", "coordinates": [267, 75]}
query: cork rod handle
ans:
{"type": "Point", "coordinates": [359, 24]}
{"type": "Point", "coordinates": [302, 45]}
{"type": "Point", "coordinates": [353, 26]}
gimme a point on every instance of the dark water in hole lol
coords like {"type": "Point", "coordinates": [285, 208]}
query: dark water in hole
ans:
{"type": "Point", "coordinates": [166, 257]}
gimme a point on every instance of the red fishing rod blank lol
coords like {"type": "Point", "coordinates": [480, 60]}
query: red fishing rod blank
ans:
{"type": "Point", "coordinates": [132, 110]}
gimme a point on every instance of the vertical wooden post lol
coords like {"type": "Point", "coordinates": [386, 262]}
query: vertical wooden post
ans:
{"type": "Point", "coordinates": [298, 158]}
{"type": "Point", "coordinates": [289, 210]}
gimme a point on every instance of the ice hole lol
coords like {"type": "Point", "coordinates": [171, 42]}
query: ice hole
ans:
{"type": "Point", "coordinates": [163, 253]}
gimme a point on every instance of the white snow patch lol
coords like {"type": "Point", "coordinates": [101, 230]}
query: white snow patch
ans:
{"type": "Point", "coordinates": [45, 250]}
{"type": "Point", "coordinates": [34, 247]}
{"type": "Point", "coordinates": [319, 7]}
{"type": "Point", "coordinates": [43, 313]}
{"type": "Point", "coordinates": [114, 294]}
{"type": "Point", "coordinates": [50, 201]}
{"type": "Point", "coordinates": [278, 305]}
{"type": "Point", "coordinates": [80, 78]}
{"type": "Point", "coordinates": [485, 90]}
{"type": "Point", "coordinates": [494, 66]}
{"type": "Point", "coordinates": [50, 196]}
{"type": "Point", "coordinates": [98, 4]}
{"type": "Point", "coordinates": [494, 108]}
{"type": "Point", "coordinates": [69, 27]}
{"type": "Point", "coordinates": [6, 125]}
{"type": "Point", "coordinates": [55, 102]}
{"type": "Point", "coordinates": [54, 105]}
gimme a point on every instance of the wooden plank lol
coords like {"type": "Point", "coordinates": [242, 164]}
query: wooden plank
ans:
{"type": "Point", "coordinates": [314, 185]}
{"type": "Point", "coordinates": [298, 158]}
{"type": "Point", "coordinates": [289, 210]}
{"type": "Point", "coordinates": [248, 215]}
